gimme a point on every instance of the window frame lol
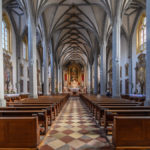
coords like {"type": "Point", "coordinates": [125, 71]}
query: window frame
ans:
{"type": "Point", "coordinates": [6, 22]}
{"type": "Point", "coordinates": [140, 47]}
{"type": "Point", "coordinates": [25, 41]}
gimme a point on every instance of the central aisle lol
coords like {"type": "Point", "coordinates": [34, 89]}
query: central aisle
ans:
{"type": "Point", "coordinates": [74, 129]}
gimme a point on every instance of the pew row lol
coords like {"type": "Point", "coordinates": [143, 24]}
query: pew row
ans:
{"type": "Point", "coordinates": [110, 114]}
{"type": "Point", "coordinates": [100, 110]}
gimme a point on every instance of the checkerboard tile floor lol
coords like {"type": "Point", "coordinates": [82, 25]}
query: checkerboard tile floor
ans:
{"type": "Point", "coordinates": [74, 129]}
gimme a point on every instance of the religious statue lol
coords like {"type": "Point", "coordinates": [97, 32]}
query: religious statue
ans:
{"type": "Point", "coordinates": [141, 72]}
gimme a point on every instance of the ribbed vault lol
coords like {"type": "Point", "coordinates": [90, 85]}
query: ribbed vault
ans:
{"type": "Point", "coordinates": [76, 28]}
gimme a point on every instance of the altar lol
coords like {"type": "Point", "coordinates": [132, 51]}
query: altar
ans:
{"type": "Point", "coordinates": [74, 88]}
{"type": "Point", "coordinates": [74, 91]}
{"type": "Point", "coordinates": [73, 79]}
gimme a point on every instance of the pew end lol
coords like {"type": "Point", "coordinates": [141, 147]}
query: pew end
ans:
{"type": "Point", "coordinates": [20, 133]}
{"type": "Point", "coordinates": [131, 132]}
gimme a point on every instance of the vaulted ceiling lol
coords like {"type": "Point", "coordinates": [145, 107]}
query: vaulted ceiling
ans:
{"type": "Point", "coordinates": [76, 28]}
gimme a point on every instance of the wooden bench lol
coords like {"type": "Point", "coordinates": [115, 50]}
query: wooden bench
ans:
{"type": "Point", "coordinates": [95, 109]}
{"type": "Point", "coordinates": [42, 115]}
{"type": "Point", "coordinates": [19, 132]}
{"type": "Point", "coordinates": [52, 107]}
{"type": "Point", "coordinates": [131, 132]}
{"type": "Point", "coordinates": [100, 110]}
{"type": "Point", "coordinates": [110, 114]}
{"type": "Point", "coordinates": [32, 108]}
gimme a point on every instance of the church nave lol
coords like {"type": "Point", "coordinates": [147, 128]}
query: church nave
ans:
{"type": "Point", "coordinates": [75, 129]}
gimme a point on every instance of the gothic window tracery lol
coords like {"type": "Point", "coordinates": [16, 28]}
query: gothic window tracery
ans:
{"type": "Point", "coordinates": [6, 32]}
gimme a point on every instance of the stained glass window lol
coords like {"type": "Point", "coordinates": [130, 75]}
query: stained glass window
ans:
{"type": "Point", "coordinates": [5, 35]}
{"type": "Point", "coordinates": [141, 34]}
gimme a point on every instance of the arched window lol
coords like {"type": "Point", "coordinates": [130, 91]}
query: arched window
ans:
{"type": "Point", "coordinates": [25, 48]}
{"type": "Point", "coordinates": [141, 34]}
{"type": "Point", "coordinates": [6, 31]}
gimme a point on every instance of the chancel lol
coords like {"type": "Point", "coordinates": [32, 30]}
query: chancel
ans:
{"type": "Point", "coordinates": [74, 74]}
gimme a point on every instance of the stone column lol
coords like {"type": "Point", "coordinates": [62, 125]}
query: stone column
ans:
{"type": "Point", "coordinates": [90, 78]}
{"type": "Point", "coordinates": [130, 67]}
{"type": "Point", "coordinates": [148, 52]}
{"type": "Point", "coordinates": [60, 79]}
{"type": "Point", "coordinates": [52, 75]}
{"type": "Point", "coordinates": [18, 48]}
{"type": "Point", "coordinates": [2, 100]}
{"type": "Point", "coordinates": [103, 70]}
{"type": "Point", "coordinates": [95, 73]}
{"type": "Point", "coordinates": [32, 52]}
{"type": "Point", "coordinates": [56, 77]}
{"type": "Point", "coordinates": [116, 57]}
{"type": "Point", "coordinates": [45, 64]}
{"type": "Point", "coordinates": [86, 82]}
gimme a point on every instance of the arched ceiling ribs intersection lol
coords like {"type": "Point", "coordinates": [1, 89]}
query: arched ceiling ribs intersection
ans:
{"type": "Point", "coordinates": [74, 33]}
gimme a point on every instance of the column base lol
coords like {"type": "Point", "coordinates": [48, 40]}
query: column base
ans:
{"type": "Point", "coordinates": [2, 103]}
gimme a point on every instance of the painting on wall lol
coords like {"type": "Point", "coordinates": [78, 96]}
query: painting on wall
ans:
{"type": "Point", "coordinates": [73, 74]}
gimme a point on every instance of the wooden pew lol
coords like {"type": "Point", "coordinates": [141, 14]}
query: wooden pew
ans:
{"type": "Point", "coordinates": [52, 107]}
{"type": "Point", "coordinates": [110, 114]}
{"type": "Point", "coordinates": [42, 115]}
{"type": "Point", "coordinates": [19, 132]}
{"type": "Point", "coordinates": [32, 108]}
{"type": "Point", "coordinates": [95, 109]}
{"type": "Point", "coordinates": [94, 102]}
{"type": "Point", "coordinates": [100, 109]}
{"type": "Point", "coordinates": [131, 132]}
